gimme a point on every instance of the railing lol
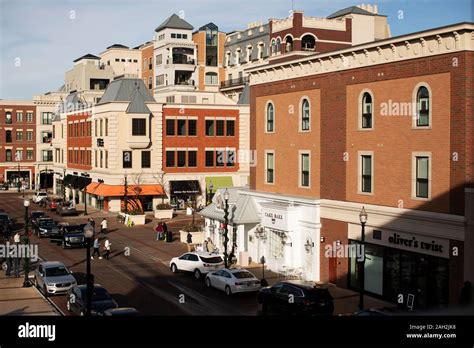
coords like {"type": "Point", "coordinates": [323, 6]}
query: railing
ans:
{"type": "Point", "coordinates": [235, 82]}
{"type": "Point", "coordinates": [181, 60]}
{"type": "Point", "coordinates": [184, 83]}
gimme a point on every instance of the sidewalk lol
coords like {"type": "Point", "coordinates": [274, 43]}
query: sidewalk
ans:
{"type": "Point", "coordinates": [17, 300]}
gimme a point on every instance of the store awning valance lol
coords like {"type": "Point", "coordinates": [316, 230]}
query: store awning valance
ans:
{"type": "Point", "coordinates": [67, 179]}
{"type": "Point", "coordinates": [218, 182]}
{"type": "Point", "coordinates": [185, 187]}
{"type": "Point", "coordinates": [77, 182]}
{"type": "Point", "coordinates": [105, 190]}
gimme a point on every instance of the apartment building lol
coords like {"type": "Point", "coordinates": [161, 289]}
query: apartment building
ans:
{"type": "Point", "coordinates": [122, 59]}
{"type": "Point", "coordinates": [17, 143]}
{"type": "Point", "coordinates": [386, 126]}
{"type": "Point", "coordinates": [88, 73]}
{"type": "Point", "coordinates": [147, 50]}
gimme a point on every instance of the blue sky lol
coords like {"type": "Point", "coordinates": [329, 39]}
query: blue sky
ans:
{"type": "Point", "coordinates": [39, 39]}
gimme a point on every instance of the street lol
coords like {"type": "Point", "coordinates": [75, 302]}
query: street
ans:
{"type": "Point", "coordinates": [140, 280]}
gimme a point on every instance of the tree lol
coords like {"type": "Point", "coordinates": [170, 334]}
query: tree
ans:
{"type": "Point", "coordinates": [160, 178]}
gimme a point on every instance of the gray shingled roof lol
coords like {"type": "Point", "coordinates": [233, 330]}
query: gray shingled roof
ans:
{"type": "Point", "coordinates": [128, 90]}
{"type": "Point", "coordinates": [137, 105]}
{"type": "Point", "coordinates": [349, 10]}
{"type": "Point", "coordinates": [245, 96]}
{"type": "Point", "coordinates": [174, 22]}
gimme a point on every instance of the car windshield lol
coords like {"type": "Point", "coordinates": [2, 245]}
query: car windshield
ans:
{"type": "Point", "coordinates": [99, 294]}
{"type": "Point", "coordinates": [242, 274]}
{"type": "Point", "coordinates": [49, 223]}
{"type": "Point", "coordinates": [36, 215]}
{"type": "Point", "coordinates": [213, 259]}
{"type": "Point", "coordinates": [56, 271]}
{"type": "Point", "coordinates": [73, 229]}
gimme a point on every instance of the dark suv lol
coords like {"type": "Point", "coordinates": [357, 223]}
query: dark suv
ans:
{"type": "Point", "coordinates": [70, 236]}
{"type": "Point", "coordinates": [296, 297]}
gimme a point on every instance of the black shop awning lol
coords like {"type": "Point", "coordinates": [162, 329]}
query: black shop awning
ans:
{"type": "Point", "coordinates": [67, 179]}
{"type": "Point", "coordinates": [77, 182]}
{"type": "Point", "coordinates": [188, 187]}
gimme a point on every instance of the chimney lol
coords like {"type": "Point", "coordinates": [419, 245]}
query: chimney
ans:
{"type": "Point", "coordinates": [376, 9]}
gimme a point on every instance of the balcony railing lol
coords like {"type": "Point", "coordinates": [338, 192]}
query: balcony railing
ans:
{"type": "Point", "coordinates": [180, 60]}
{"type": "Point", "coordinates": [184, 83]}
{"type": "Point", "coordinates": [235, 82]}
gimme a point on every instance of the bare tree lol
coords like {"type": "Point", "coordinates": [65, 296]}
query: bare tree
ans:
{"type": "Point", "coordinates": [160, 178]}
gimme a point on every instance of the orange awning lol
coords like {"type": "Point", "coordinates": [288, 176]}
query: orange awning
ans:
{"type": "Point", "coordinates": [104, 190]}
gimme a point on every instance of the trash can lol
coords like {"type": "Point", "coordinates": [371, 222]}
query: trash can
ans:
{"type": "Point", "coordinates": [169, 237]}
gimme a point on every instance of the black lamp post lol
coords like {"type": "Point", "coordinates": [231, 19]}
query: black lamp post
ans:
{"type": "Point", "coordinates": [89, 233]}
{"type": "Point", "coordinates": [226, 231]}
{"type": "Point", "coordinates": [211, 188]}
{"type": "Point", "coordinates": [64, 186]}
{"type": "Point", "coordinates": [363, 221]}
{"type": "Point", "coordinates": [26, 241]}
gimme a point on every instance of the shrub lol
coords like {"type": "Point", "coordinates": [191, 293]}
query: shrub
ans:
{"type": "Point", "coordinates": [164, 206]}
{"type": "Point", "coordinates": [191, 228]}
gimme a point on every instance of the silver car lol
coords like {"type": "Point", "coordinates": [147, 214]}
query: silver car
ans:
{"type": "Point", "coordinates": [53, 278]}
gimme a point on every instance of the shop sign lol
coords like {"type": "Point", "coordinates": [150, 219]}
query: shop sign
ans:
{"type": "Point", "coordinates": [275, 219]}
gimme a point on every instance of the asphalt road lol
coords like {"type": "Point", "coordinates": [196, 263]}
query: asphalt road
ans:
{"type": "Point", "coordinates": [139, 280]}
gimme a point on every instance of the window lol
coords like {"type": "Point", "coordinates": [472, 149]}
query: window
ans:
{"type": "Point", "coordinates": [304, 165]}
{"type": "Point", "coordinates": [366, 111]}
{"type": "Point", "coordinates": [170, 127]}
{"type": "Point", "coordinates": [127, 159]}
{"type": "Point", "coordinates": [8, 155]}
{"type": "Point", "coordinates": [182, 127]}
{"type": "Point", "coordinates": [220, 128]}
{"type": "Point", "coordinates": [106, 159]}
{"type": "Point", "coordinates": [8, 136]}
{"type": "Point", "coordinates": [220, 158]}
{"type": "Point", "coordinates": [29, 135]}
{"type": "Point", "coordinates": [19, 155]}
{"type": "Point", "coordinates": [19, 116]}
{"type": "Point", "coordinates": [173, 35]}
{"type": "Point", "coordinates": [192, 158]}
{"type": "Point", "coordinates": [209, 158]}
{"type": "Point", "coordinates": [192, 127]}
{"type": "Point", "coordinates": [422, 177]}
{"type": "Point", "coordinates": [117, 59]}
{"type": "Point", "coordinates": [146, 159]}
{"type": "Point", "coordinates": [29, 117]}
{"type": "Point", "coordinates": [47, 155]}
{"type": "Point", "coordinates": [211, 78]}
{"type": "Point", "coordinates": [19, 135]}
{"type": "Point", "coordinates": [46, 117]}
{"type": "Point", "coordinates": [95, 127]}
{"type": "Point", "coordinates": [423, 107]}
{"type": "Point", "coordinates": [366, 183]}
{"type": "Point", "coordinates": [101, 158]}
{"type": "Point", "coordinates": [270, 164]}
{"type": "Point", "coordinates": [308, 43]}
{"type": "Point", "coordinates": [138, 126]}
{"type": "Point", "coordinates": [29, 154]}
{"type": "Point", "coordinates": [305, 115]}
{"type": "Point", "coordinates": [209, 127]}
{"type": "Point", "coordinates": [181, 159]}
{"type": "Point", "coordinates": [160, 80]}
{"type": "Point", "coordinates": [230, 128]}
{"type": "Point", "coordinates": [170, 158]}
{"type": "Point", "coordinates": [106, 127]}
{"type": "Point", "coordinates": [159, 59]}
{"type": "Point", "coordinates": [101, 126]}
{"type": "Point", "coordinates": [8, 117]}
{"type": "Point", "coordinates": [270, 118]}
{"type": "Point", "coordinates": [230, 158]}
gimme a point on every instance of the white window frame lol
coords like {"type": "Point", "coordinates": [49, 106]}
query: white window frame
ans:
{"type": "Point", "coordinates": [359, 172]}
{"type": "Point", "coordinates": [360, 105]}
{"type": "Point", "coordinates": [266, 117]}
{"type": "Point", "coordinates": [267, 152]}
{"type": "Point", "coordinates": [300, 116]}
{"type": "Point", "coordinates": [414, 156]}
{"type": "Point", "coordinates": [415, 106]}
{"type": "Point", "coordinates": [300, 169]}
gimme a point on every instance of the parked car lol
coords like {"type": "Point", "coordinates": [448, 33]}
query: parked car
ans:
{"type": "Point", "coordinates": [35, 216]}
{"type": "Point", "coordinates": [122, 312]}
{"type": "Point", "coordinates": [70, 236]}
{"type": "Point", "coordinates": [100, 300]}
{"type": "Point", "coordinates": [44, 202]}
{"type": "Point", "coordinates": [233, 280]}
{"type": "Point", "coordinates": [47, 228]}
{"type": "Point", "coordinates": [306, 299]}
{"type": "Point", "coordinates": [3, 187]}
{"type": "Point", "coordinates": [38, 196]}
{"type": "Point", "coordinates": [53, 278]}
{"type": "Point", "coordinates": [52, 204]}
{"type": "Point", "coordinates": [197, 262]}
{"type": "Point", "coordinates": [66, 208]}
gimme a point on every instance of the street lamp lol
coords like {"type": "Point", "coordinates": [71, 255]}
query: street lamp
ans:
{"type": "Point", "coordinates": [26, 240]}
{"type": "Point", "coordinates": [363, 221]}
{"type": "Point", "coordinates": [89, 233]}
{"type": "Point", "coordinates": [261, 234]}
{"type": "Point", "coordinates": [226, 231]}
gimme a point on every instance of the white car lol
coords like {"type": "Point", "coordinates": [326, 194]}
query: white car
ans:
{"type": "Point", "coordinates": [38, 196]}
{"type": "Point", "coordinates": [233, 281]}
{"type": "Point", "coordinates": [198, 263]}
{"type": "Point", "coordinates": [53, 278]}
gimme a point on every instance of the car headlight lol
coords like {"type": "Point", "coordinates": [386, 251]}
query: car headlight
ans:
{"type": "Point", "coordinates": [43, 230]}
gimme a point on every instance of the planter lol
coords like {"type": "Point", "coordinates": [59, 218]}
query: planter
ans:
{"type": "Point", "coordinates": [136, 219]}
{"type": "Point", "coordinates": [198, 237]}
{"type": "Point", "coordinates": [164, 214]}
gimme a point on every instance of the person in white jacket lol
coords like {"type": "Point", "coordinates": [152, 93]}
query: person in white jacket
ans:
{"type": "Point", "coordinates": [107, 246]}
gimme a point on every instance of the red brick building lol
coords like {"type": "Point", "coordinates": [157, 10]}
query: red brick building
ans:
{"type": "Point", "coordinates": [17, 143]}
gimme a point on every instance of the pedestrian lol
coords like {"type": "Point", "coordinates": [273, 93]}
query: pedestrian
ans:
{"type": "Point", "coordinates": [96, 248]}
{"type": "Point", "coordinates": [205, 247]}
{"type": "Point", "coordinates": [189, 238]}
{"type": "Point", "coordinates": [16, 238]}
{"type": "Point", "coordinates": [159, 231]}
{"type": "Point", "coordinates": [103, 226]}
{"type": "Point", "coordinates": [210, 246]}
{"type": "Point", "coordinates": [165, 227]}
{"type": "Point", "coordinates": [92, 222]}
{"type": "Point", "coordinates": [9, 261]}
{"type": "Point", "coordinates": [107, 245]}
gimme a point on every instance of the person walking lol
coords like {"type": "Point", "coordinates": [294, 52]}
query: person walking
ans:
{"type": "Point", "coordinates": [210, 245]}
{"type": "Point", "coordinates": [92, 222]}
{"type": "Point", "coordinates": [96, 248]}
{"type": "Point", "coordinates": [159, 231]}
{"type": "Point", "coordinates": [9, 261]}
{"type": "Point", "coordinates": [107, 245]}
{"type": "Point", "coordinates": [16, 238]}
{"type": "Point", "coordinates": [103, 226]}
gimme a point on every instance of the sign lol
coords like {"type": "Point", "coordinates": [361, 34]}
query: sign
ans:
{"type": "Point", "coordinates": [275, 219]}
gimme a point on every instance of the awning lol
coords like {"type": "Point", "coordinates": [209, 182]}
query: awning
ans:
{"type": "Point", "coordinates": [219, 182]}
{"type": "Point", "coordinates": [82, 182]}
{"type": "Point", "coordinates": [67, 179]}
{"type": "Point", "coordinates": [72, 181]}
{"type": "Point", "coordinates": [104, 190]}
{"type": "Point", "coordinates": [185, 187]}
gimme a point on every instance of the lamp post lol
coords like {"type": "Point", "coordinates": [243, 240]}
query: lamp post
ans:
{"type": "Point", "coordinates": [211, 188]}
{"type": "Point", "coordinates": [363, 221]}
{"type": "Point", "coordinates": [26, 241]}
{"type": "Point", "coordinates": [63, 189]}
{"type": "Point", "coordinates": [226, 231]}
{"type": "Point", "coordinates": [261, 234]}
{"type": "Point", "coordinates": [89, 233]}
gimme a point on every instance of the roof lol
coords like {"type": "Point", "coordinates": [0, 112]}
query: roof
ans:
{"type": "Point", "coordinates": [128, 90]}
{"type": "Point", "coordinates": [87, 56]}
{"type": "Point", "coordinates": [137, 105]}
{"type": "Point", "coordinates": [211, 26]}
{"type": "Point", "coordinates": [245, 96]}
{"type": "Point", "coordinates": [117, 46]}
{"type": "Point", "coordinates": [350, 10]}
{"type": "Point", "coordinates": [174, 22]}
{"type": "Point", "coordinates": [52, 264]}
{"type": "Point", "coordinates": [104, 190]}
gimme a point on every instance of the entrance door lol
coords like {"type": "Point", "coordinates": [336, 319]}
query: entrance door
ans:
{"type": "Point", "coordinates": [333, 270]}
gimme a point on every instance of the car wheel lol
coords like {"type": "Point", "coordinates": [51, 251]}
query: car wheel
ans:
{"type": "Point", "coordinates": [174, 268]}
{"type": "Point", "coordinates": [45, 291]}
{"type": "Point", "coordinates": [208, 282]}
{"type": "Point", "coordinates": [197, 274]}
{"type": "Point", "coordinates": [4, 266]}
{"type": "Point", "coordinates": [228, 292]}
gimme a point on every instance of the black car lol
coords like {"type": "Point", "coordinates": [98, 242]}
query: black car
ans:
{"type": "Point", "coordinates": [35, 216]}
{"type": "Point", "coordinates": [70, 236]}
{"type": "Point", "coordinates": [100, 300]}
{"type": "Point", "coordinates": [296, 297]}
{"type": "Point", "coordinates": [47, 228]}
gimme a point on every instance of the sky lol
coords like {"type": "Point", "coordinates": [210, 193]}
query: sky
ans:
{"type": "Point", "coordinates": [39, 39]}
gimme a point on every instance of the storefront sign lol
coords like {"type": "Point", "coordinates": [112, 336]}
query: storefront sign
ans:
{"type": "Point", "coordinates": [275, 219]}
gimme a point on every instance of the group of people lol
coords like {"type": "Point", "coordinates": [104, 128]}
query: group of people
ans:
{"type": "Point", "coordinates": [209, 246]}
{"type": "Point", "coordinates": [161, 230]}
{"type": "Point", "coordinates": [103, 225]}
{"type": "Point", "coordinates": [97, 243]}
{"type": "Point", "coordinates": [13, 263]}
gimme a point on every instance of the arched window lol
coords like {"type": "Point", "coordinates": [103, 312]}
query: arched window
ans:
{"type": "Point", "coordinates": [289, 44]}
{"type": "Point", "coordinates": [270, 117]}
{"type": "Point", "coordinates": [308, 43]}
{"type": "Point", "coordinates": [278, 46]}
{"type": "Point", "coordinates": [366, 110]}
{"type": "Point", "coordinates": [8, 155]}
{"type": "Point", "coordinates": [305, 115]}
{"type": "Point", "coordinates": [211, 78]}
{"type": "Point", "coordinates": [274, 47]}
{"type": "Point", "coordinates": [423, 107]}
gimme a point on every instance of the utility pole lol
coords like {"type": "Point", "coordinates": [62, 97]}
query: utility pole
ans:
{"type": "Point", "coordinates": [125, 195]}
